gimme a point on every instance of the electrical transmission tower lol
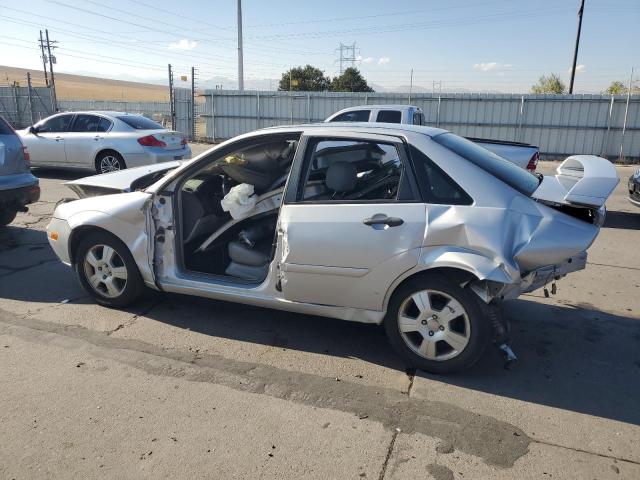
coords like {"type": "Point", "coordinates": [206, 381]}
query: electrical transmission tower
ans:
{"type": "Point", "coordinates": [347, 56]}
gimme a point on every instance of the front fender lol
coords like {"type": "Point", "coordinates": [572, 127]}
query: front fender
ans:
{"type": "Point", "coordinates": [134, 234]}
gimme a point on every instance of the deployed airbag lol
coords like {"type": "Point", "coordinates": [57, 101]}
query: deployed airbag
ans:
{"type": "Point", "coordinates": [239, 201]}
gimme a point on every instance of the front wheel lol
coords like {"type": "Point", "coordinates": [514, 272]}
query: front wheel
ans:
{"type": "Point", "coordinates": [436, 325]}
{"type": "Point", "coordinates": [107, 162]}
{"type": "Point", "coordinates": [106, 269]}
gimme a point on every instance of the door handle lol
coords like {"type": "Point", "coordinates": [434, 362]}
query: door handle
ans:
{"type": "Point", "coordinates": [97, 137]}
{"type": "Point", "coordinates": [57, 139]}
{"type": "Point", "coordinates": [381, 219]}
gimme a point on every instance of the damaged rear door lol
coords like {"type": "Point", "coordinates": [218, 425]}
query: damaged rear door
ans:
{"type": "Point", "coordinates": [351, 223]}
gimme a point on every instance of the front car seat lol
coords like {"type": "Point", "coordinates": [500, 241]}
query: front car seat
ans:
{"type": "Point", "coordinates": [250, 254]}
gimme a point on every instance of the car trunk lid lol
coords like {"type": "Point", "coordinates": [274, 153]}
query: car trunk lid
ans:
{"type": "Point", "coordinates": [582, 181]}
{"type": "Point", "coordinates": [165, 139]}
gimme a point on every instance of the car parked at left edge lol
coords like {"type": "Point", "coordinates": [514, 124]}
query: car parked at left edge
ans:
{"type": "Point", "coordinates": [634, 188]}
{"type": "Point", "coordinates": [103, 141]}
{"type": "Point", "coordinates": [18, 187]}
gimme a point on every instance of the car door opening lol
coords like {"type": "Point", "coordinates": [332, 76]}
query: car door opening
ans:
{"type": "Point", "coordinates": [242, 245]}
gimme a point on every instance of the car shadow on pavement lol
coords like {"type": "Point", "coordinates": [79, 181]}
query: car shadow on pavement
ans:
{"type": "Point", "coordinates": [572, 357]}
{"type": "Point", "coordinates": [622, 220]}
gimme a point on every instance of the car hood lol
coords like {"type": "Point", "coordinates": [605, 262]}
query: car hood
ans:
{"type": "Point", "coordinates": [122, 181]}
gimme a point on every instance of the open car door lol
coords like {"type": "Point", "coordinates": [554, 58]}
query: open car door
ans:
{"type": "Point", "coordinates": [351, 221]}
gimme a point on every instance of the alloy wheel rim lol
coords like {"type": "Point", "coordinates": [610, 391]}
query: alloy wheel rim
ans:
{"type": "Point", "coordinates": [434, 325]}
{"type": "Point", "coordinates": [105, 271]}
{"type": "Point", "coordinates": [109, 164]}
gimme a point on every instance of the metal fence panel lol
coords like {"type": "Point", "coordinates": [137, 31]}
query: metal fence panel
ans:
{"type": "Point", "coordinates": [22, 106]}
{"type": "Point", "coordinates": [560, 125]}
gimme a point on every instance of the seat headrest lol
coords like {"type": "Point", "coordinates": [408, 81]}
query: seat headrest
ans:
{"type": "Point", "coordinates": [341, 177]}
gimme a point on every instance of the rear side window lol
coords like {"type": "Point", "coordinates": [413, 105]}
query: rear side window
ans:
{"type": "Point", "coordinates": [139, 122]}
{"type": "Point", "coordinates": [353, 116]}
{"type": "Point", "coordinates": [436, 186]}
{"type": "Point", "coordinates": [104, 125]}
{"type": "Point", "coordinates": [5, 129]}
{"type": "Point", "coordinates": [368, 171]}
{"type": "Point", "coordinates": [514, 176]}
{"type": "Point", "coordinates": [85, 123]}
{"type": "Point", "coordinates": [389, 116]}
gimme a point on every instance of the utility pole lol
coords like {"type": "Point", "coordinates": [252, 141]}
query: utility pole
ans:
{"type": "Point", "coordinates": [626, 115]}
{"type": "Point", "coordinates": [44, 60]}
{"type": "Point", "coordinates": [410, 85]}
{"type": "Point", "coordinates": [172, 105]}
{"type": "Point", "coordinates": [30, 98]}
{"type": "Point", "coordinates": [240, 63]}
{"type": "Point", "coordinates": [51, 60]}
{"type": "Point", "coordinates": [193, 103]}
{"type": "Point", "coordinates": [575, 52]}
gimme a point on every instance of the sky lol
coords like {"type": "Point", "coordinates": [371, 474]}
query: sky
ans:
{"type": "Point", "coordinates": [451, 45]}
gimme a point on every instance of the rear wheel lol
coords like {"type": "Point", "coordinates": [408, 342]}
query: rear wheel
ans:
{"type": "Point", "coordinates": [7, 216]}
{"type": "Point", "coordinates": [436, 325]}
{"type": "Point", "coordinates": [109, 162]}
{"type": "Point", "coordinates": [106, 269]}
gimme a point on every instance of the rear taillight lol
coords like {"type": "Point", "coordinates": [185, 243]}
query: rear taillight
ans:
{"type": "Point", "coordinates": [27, 158]}
{"type": "Point", "coordinates": [183, 141]}
{"type": "Point", "coordinates": [151, 141]}
{"type": "Point", "coordinates": [533, 162]}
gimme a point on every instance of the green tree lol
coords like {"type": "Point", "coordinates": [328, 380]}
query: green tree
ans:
{"type": "Point", "coordinates": [549, 84]}
{"type": "Point", "coordinates": [616, 88]}
{"type": "Point", "coordinates": [308, 79]}
{"type": "Point", "coordinates": [351, 80]}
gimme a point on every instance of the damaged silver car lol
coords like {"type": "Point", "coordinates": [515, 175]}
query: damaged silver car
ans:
{"type": "Point", "coordinates": [407, 226]}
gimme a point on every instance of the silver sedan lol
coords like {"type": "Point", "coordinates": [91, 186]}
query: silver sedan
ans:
{"type": "Point", "coordinates": [104, 141]}
{"type": "Point", "coordinates": [407, 226]}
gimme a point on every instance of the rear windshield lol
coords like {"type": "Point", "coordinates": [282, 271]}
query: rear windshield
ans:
{"type": "Point", "coordinates": [508, 172]}
{"type": "Point", "coordinates": [140, 123]}
{"type": "Point", "coordinates": [5, 129]}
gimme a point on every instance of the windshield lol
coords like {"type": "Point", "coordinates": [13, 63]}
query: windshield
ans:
{"type": "Point", "coordinates": [140, 123]}
{"type": "Point", "coordinates": [508, 172]}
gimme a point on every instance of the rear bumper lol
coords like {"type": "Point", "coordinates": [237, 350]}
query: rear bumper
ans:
{"type": "Point", "coordinates": [541, 276]}
{"type": "Point", "coordinates": [153, 155]}
{"type": "Point", "coordinates": [18, 190]}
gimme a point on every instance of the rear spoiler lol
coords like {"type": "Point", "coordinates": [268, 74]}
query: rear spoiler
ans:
{"type": "Point", "coordinates": [582, 180]}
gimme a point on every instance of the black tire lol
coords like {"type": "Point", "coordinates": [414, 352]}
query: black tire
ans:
{"type": "Point", "coordinates": [131, 288]}
{"type": "Point", "coordinates": [7, 216]}
{"type": "Point", "coordinates": [112, 158]}
{"type": "Point", "coordinates": [478, 336]}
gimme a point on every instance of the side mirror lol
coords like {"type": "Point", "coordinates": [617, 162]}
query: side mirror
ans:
{"type": "Point", "coordinates": [33, 130]}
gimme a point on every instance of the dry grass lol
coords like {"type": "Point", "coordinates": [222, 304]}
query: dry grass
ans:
{"type": "Point", "coordinates": [79, 87]}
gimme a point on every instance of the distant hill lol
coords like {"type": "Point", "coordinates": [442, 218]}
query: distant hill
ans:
{"type": "Point", "coordinates": [79, 87]}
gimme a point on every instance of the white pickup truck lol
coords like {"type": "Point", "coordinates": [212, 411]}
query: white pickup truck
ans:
{"type": "Point", "coordinates": [522, 154]}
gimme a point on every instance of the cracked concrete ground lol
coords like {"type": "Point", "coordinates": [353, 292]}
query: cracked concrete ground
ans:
{"type": "Point", "coordinates": [186, 387]}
